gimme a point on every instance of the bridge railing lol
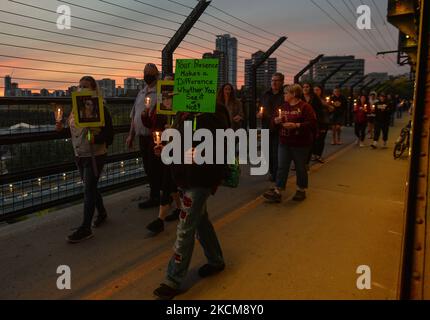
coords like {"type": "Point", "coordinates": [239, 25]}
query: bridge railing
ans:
{"type": "Point", "coordinates": [37, 169]}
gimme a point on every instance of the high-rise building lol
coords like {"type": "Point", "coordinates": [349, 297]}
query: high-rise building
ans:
{"type": "Point", "coordinates": [132, 84]}
{"type": "Point", "coordinates": [328, 64]}
{"type": "Point", "coordinates": [44, 93]}
{"type": "Point", "coordinates": [264, 72]}
{"type": "Point", "coordinates": [120, 92]}
{"type": "Point", "coordinates": [225, 43]}
{"type": "Point", "coordinates": [7, 86]}
{"type": "Point", "coordinates": [222, 67]}
{"type": "Point", "coordinates": [107, 87]}
{"type": "Point", "coordinates": [26, 93]}
{"type": "Point", "coordinates": [14, 89]}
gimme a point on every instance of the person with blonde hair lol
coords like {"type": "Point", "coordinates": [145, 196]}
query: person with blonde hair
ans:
{"type": "Point", "coordinates": [297, 124]}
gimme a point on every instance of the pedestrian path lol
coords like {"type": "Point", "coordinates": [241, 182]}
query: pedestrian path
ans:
{"type": "Point", "coordinates": [353, 216]}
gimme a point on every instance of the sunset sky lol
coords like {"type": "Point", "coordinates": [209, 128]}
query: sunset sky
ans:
{"type": "Point", "coordinates": [137, 42]}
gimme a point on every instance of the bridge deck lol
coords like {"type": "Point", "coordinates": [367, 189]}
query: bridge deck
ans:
{"type": "Point", "coordinates": [353, 216]}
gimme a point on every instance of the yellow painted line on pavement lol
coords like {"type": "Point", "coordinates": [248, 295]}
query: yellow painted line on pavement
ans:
{"type": "Point", "coordinates": [119, 284]}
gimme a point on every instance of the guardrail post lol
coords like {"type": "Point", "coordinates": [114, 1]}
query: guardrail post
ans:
{"type": "Point", "coordinates": [172, 45]}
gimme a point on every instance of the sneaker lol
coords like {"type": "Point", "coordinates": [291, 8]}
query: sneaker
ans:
{"type": "Point", "coordinates": [209, 270]}
{"type": "Point", "coordinates": [164, 292]}
{"type": "Point", "coordinates": [173, 216]}
{"type": "Point", "coordinates": [101, 219]}
{"type": "Point", "coordinates": [374, 145]}
{"type": "Point", "coordinates": [80, 235]}
{"type": "Point", "coordinates": [320, 160]}
{"type": "Point", "coordinates": [299, 196]}
{"type": "Point", "coordinates": [273, 195]}
{"type": "Point", "coordinates": [384, 146]}
{"type": "Point", "coordinates": [151, 203]}
{"type": "Point", "coordinates": [156, 226]}
{"type": "Point", "coordinates": [362, 145]}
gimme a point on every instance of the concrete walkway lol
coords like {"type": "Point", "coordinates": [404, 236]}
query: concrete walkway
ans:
{"type": "Point", "coordinates": [353, 216]}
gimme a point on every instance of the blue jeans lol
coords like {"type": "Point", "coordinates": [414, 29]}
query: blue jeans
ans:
{"type": "Point", "coordinates": [92, 197]}
{"type": "Point", "coordinates": [193, 219]}
{"type": "Point", "coordinates": [300, 157]}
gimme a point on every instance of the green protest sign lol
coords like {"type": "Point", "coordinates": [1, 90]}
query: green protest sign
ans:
{"type": "Point", "coordinates": [196, 83]}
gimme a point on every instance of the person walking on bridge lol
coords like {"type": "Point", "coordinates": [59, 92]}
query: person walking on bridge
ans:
{"type": "Point", "coordinates": [297, 124]}
{"type": "Point", "coordinates": [146, 99]}
{"type": "Point", "coordinates": [196, 183]}
{"type": "Point", "coordinates": [383, 113]}
{"type": "Point", "coordinates": [90, 148]}
{"type": "Point", "coordinates": [271, 101]}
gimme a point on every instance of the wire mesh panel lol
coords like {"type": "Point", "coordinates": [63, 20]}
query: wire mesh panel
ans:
{"type": "Point", "coordinates": [37, 167]}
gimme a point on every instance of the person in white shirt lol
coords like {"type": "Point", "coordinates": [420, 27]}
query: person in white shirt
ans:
{"type": "Point", "coordinates": [146, 101]}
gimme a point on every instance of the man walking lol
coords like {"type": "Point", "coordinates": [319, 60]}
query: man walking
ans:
{"type": "Point", "coordinates": [146, 101]}
{"type": "Point", "coordinates": [272, 100]}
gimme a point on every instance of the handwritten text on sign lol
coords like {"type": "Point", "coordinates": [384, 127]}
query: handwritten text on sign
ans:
{"type": "Point", "coordinates": [196, 83]}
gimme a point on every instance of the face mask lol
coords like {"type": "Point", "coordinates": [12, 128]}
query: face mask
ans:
{"type": "Point", "coordinates": [149, 79]}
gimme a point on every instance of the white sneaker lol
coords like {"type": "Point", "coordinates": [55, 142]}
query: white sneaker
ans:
{"type": "Point", "coordinates": [385, 145]}
{"type": "Point", "coordinates": [362, 145]}
{"type": "Point", "coordinates": [374, 145]}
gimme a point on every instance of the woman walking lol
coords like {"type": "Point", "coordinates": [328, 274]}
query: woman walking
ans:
{"type": "Point", "coordinates": [227, 97]}
{"type": "Point", "coordinates": [297, 123]}
{"type": "Point", "coordinates": [157, 123]}
{"type": "Point", "coordinates": [314, 97]}
{"type": "Point", "coordinates": [90, 148]}
{"type": "Point", "coordinates": [360, 119]}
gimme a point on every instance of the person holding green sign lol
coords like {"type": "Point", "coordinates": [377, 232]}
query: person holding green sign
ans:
{"type": "Point", "coordinates": [195, 183]}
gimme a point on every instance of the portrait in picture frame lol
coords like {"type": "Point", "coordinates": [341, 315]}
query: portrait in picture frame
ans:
{"type": "Point", "coordinates": [88, 109]}
{"type": "Point", "coordinates": [165, 93]}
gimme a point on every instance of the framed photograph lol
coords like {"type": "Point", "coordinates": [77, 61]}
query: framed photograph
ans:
{"type": "Point", "coordinates": [88, 109]}
{"type": "Point", "coordinates": [165, 97]}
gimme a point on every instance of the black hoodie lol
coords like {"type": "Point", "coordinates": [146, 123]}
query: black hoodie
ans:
{"type": "Point", "coordinates": [206, 175]}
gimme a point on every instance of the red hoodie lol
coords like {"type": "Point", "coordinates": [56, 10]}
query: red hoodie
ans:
{"type": "Point", "coordinates": [360, 113]}
{"type": "Point", "coordinates": [301, 113]}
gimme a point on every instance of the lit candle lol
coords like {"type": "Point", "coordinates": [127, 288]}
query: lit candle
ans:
{"type": "Point", "coordinates": [261, 110]}
{"type": "Point", "coordinates": [148, 102]}
{"type": "Point", "coordinates": [280, 113]}
{"type": "Point", "coordinates": [327, 99]}
{"type": "Point", "coordinates": [59, 114]}
{"type": "Point", "coordinates": [157, 138]}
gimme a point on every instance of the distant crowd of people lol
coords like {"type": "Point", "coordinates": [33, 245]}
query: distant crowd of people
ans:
{"type": "Point", "coordinates": [298, 117]}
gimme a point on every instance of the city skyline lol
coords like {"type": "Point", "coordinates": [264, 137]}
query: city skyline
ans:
{"type": "Point", "coordinates": [304, 24]}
